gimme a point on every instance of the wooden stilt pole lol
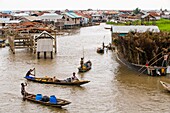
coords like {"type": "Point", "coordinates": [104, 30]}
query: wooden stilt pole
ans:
{"type": "Point", "coordinates": [38, 55]}
{"type": "Point", "coordinates": [55, 42]}
{"type": "Point", "coordinates": [51, 55]}
{"type": "Point", "coordinates": [45, 55]}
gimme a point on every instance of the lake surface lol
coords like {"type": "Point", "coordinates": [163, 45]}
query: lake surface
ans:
{"type": "Point", "coordinates": [113, 87]}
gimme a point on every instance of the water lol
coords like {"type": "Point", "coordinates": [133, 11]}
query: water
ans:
{"type": "Point", "coordinates": [113, 87]}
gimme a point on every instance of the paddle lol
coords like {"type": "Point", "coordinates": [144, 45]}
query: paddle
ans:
{"type": "Point", "coordinates": [34, 71]}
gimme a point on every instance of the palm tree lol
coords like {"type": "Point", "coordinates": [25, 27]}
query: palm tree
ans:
{"type": "Point", "coordinates": [136, 11]}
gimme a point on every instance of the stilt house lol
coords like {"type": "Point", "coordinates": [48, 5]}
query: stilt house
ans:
{"type": "Point", "coordinates": [45, 43]}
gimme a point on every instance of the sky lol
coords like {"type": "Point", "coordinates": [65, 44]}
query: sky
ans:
{"type": "Point", "coordinates": [84, 4]}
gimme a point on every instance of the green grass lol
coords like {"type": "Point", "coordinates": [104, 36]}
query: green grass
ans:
{"type": "Point", "coordinates": [163, 24]}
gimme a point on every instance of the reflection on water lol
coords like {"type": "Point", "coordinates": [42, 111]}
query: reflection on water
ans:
{"type": "Point", "coordinates": [112, 88]}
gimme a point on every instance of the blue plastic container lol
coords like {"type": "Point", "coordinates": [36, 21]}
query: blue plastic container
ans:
{"type": "Point", "coordinates": [38, 97]}
{"type": "Point", "coordinates": [53, 99]}
{"type": "Point", "coordinates": [29, 77]}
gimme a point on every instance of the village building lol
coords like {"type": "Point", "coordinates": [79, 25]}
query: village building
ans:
{"type": "Point", "coordinates": [71, 19]}
{"type": "Point", "coordinates": [52, 18]}
{"type": "Point", "coordinates": [38, 13]}
{"type": "Point", "coordinates": [21, 14]}
{"type": "Point", "coordinates": [165, 15]}
{"type": "Point", "coordinates": [155, 15]}
{"type": "Point", "coordinates": [3, 22]}
{"type": "Point", "coordinates": [4, 15]}
{"type": "Point", "coordinates": [45, 43]}
{"type": "Point", "coordinates": [148, 17]}
{"type": "Point", "coordinates": [85, 19]}
{"type": "Point", "coordinates": [96, 18]}
{"type": "Point", "coordinates": [31, 18]}
{"type": "Point", "coordinates": [6, 22]}
{"type": "Point", "coordinates": [6, 12]}
{"type": "Point", "coordinates": [4, 19]}
{"type": "Point", "coordinates": [123, 30]}
{"type": "Point", "coordinates": [111, 15]}
{"type": "Point", "coordinates": [128, 12]}
{"type": "Point", "coordinates": [126, 17]}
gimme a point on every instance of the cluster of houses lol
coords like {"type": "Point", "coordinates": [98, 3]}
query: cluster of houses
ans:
{"type": "Point", "coordinates": [20, 26]}
{"type": "Point", "coordinates": [69, 19]}
{"type": "Point", "coordinates": [43, 19]}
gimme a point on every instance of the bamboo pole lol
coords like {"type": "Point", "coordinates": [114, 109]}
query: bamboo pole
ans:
{"type": "Point", "coordinates": [150, 60]}
{"type": "Point", "coordinates": [151, 65]}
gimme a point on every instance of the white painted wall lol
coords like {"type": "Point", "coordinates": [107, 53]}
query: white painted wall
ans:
{"type": "Point", "coordinates": [44, 45]}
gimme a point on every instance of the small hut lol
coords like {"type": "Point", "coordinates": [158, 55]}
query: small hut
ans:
{"type": "Point", "coordinates": [45, 43]}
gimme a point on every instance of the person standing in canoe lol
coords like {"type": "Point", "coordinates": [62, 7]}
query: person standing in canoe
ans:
{"type": "Point", "coordinates": [29, 72]}
{"type": "Point", "coordinates": [81, 62]}
{"type": "Point", "coordinates": [23, 92]}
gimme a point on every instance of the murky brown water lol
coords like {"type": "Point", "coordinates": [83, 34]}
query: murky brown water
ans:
{"type": "Point", "coordinates": [113, 87]}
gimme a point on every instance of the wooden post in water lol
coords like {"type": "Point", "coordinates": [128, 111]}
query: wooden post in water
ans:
{"type": "Point", "coordinates": [38, 55]}
{"type": "Point", "coordinates": [34, 46]}
{"type": "Point", "coordinates": [45, 53]}
{"type": "Point", "coordinates": [51, 55]}
{"type": "Point", "coordinates": [55, 42]}
{"type": "Point", "coordinates": [11, 43]}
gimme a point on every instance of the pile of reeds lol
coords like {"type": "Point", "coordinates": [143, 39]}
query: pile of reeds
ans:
{"type": "Point", "coordinates": [141, 47]}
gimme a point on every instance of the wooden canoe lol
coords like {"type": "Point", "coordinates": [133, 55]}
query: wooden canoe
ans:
{"type": "Point", "coordinates": [2, 43]}
{"type": "Point", "coordinates": [48, 80]}
{"type": "Point", "coordinates": [59, 104]}
{"type": "Point", "coordinates": [87, 66]}
{"type": "Point", "coordinates": [165, 85]}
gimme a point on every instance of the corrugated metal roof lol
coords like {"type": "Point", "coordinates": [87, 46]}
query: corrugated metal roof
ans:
{"type": "Point", "coordinates": [143, 16]}
{"type": "Point", "coordinates": [32, 18]}
{"type": "Point", "coordinates": [14, 21]}
{"type": "Point", "coordinates": [7, 12]}
{"type": "Point", "coordinates": [4, 20]}
{"type": "Point", "coordinates": [75, 15]}
{"type": "Point", "coordinates": [68, 14]}
{"type": "Point", "coordinates": [96, 15]}
{"type": "Point", "coordinates": [21, 14]}
{"type": "Point", "coordinates": [49, 14]}
{"type": "Point", "coordinates": [126, 29]}
{"type": "Point", "coordinates": [72, 15]}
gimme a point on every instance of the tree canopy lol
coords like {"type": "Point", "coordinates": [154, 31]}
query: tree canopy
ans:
{"type": "Point", "coordinates": [136, 11]}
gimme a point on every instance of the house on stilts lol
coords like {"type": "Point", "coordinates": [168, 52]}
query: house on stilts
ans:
{"type": "Point", "coordinates": [45, 43]}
